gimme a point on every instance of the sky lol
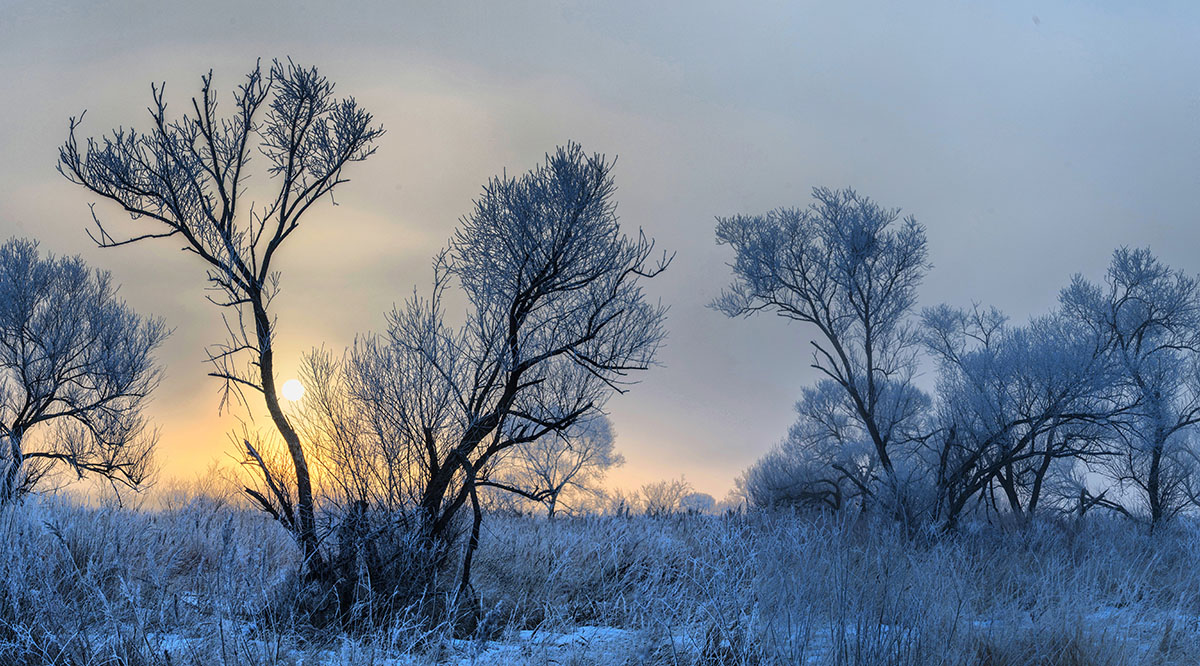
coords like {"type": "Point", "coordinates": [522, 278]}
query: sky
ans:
{"type": "Point", "coordinates": [1031, 139]}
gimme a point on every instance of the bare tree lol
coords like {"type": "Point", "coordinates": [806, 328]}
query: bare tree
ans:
{"type": "Point", "coordinates": [696, 502]}
{"type": "Point", "coordinates": [842, 266]}
{"type": "Point", "coordinates": [186, 179]}
{"type": "Point", "coordinates": [1150, 316]}
{"type": "Point", "coordinates": [76, 369]}
{"type": "Point", "coordinates": [557, 321]}
{"type": "Point", "coordinates": [789, 477]}
{"type": "Point", "coordinates": [372, 414]}
{"type": "Point", "coordinates": [552, 469]}
{"type": "Point", "coordinates": [663, 498]}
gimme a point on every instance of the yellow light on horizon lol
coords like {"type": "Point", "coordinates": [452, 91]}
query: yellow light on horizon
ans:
{"type": "Point", "coordinates": [293, 390]}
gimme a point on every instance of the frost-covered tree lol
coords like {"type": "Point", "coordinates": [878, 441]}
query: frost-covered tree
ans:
{"type": "Point", "coordinates": [1013, 400]}
{"type": "Point", "coordinates": [556, 322]}
{"type": "Point", "coordinates": [560, 466]}
{"type": "Point", "coordinates": [349, 417]}
{"type": "Point", "coordinates": [850, 269]}
{"type": "Point", "coordinates": [696, 502]}
{"type": "Point", "coordinates": [187, 178]}
{"type": "Point", "coordinates": [663, 498]}
{"type": "Point", "coordinates": [76, 369]}
{"type": "Point", "coordinates": [826, 460]}
{"type": "Point", "coordinates": [788, 476]}
{"type": "Point", "coordinates": [383, 415]}
{"type": "Point", "coordinates": [1150, 316]}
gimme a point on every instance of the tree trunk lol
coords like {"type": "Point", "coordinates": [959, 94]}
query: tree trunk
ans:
{"type": "Point", "coordinates": [1009, 484]}
{"type": "Point", "coordinates": [434, 493]}
{"type": "Point", "coordinates": [1158, 445]}
{"type": "Point", "coordinates": [1039, 478]}
{"type": "Point", "coordinates": [306, 531]}
{"type": "Point", "coordinates": [473, 542]}
{"type": "Point", "coordinates": [12, 475]}
{"type": "Point", "coordinates": [1153, 485]}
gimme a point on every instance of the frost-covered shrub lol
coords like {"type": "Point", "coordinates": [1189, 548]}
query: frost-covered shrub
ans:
{"type": "Point", "coordinates": [662, 498]}
{"type": "Point", "coordinates": [698, 503]}
{"type": "Point", "coordinates": [382, 567]}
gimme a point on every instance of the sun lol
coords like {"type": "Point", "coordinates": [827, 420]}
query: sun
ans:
{"type": "Point", "coordinates": [293, 390]}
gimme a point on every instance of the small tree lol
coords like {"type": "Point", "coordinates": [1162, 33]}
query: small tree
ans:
{"type": "Point", "coordinates": [371, 414]}
{"type": "Point", "coordinates": [696, 502]}
{"type": "Point", "coordinates": [663, 498]}
{"type": "Point", "coordinates": [552, 469]}
{"type": "Point", "coordinates": [76, 369]}
{"type": "Point", "coordinates": [826, 460]}
{"type": "Point", "coordinates": [186, 178]}
{"type": "Point", "coordinates": [844, 267]}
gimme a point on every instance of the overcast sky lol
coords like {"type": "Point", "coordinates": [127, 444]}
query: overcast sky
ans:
{"type": "Point", "coordinates": [1030, 138]}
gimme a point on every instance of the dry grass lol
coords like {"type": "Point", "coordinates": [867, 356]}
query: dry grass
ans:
{"type": "Point", "coordinates": [205, 583]}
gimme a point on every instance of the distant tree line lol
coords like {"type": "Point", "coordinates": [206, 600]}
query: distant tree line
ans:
{"type": "Point", "coordinates": [1091, 406]}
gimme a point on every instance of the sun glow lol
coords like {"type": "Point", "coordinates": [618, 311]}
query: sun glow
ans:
{"type": "Point", "coordinates": [293, 390]}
